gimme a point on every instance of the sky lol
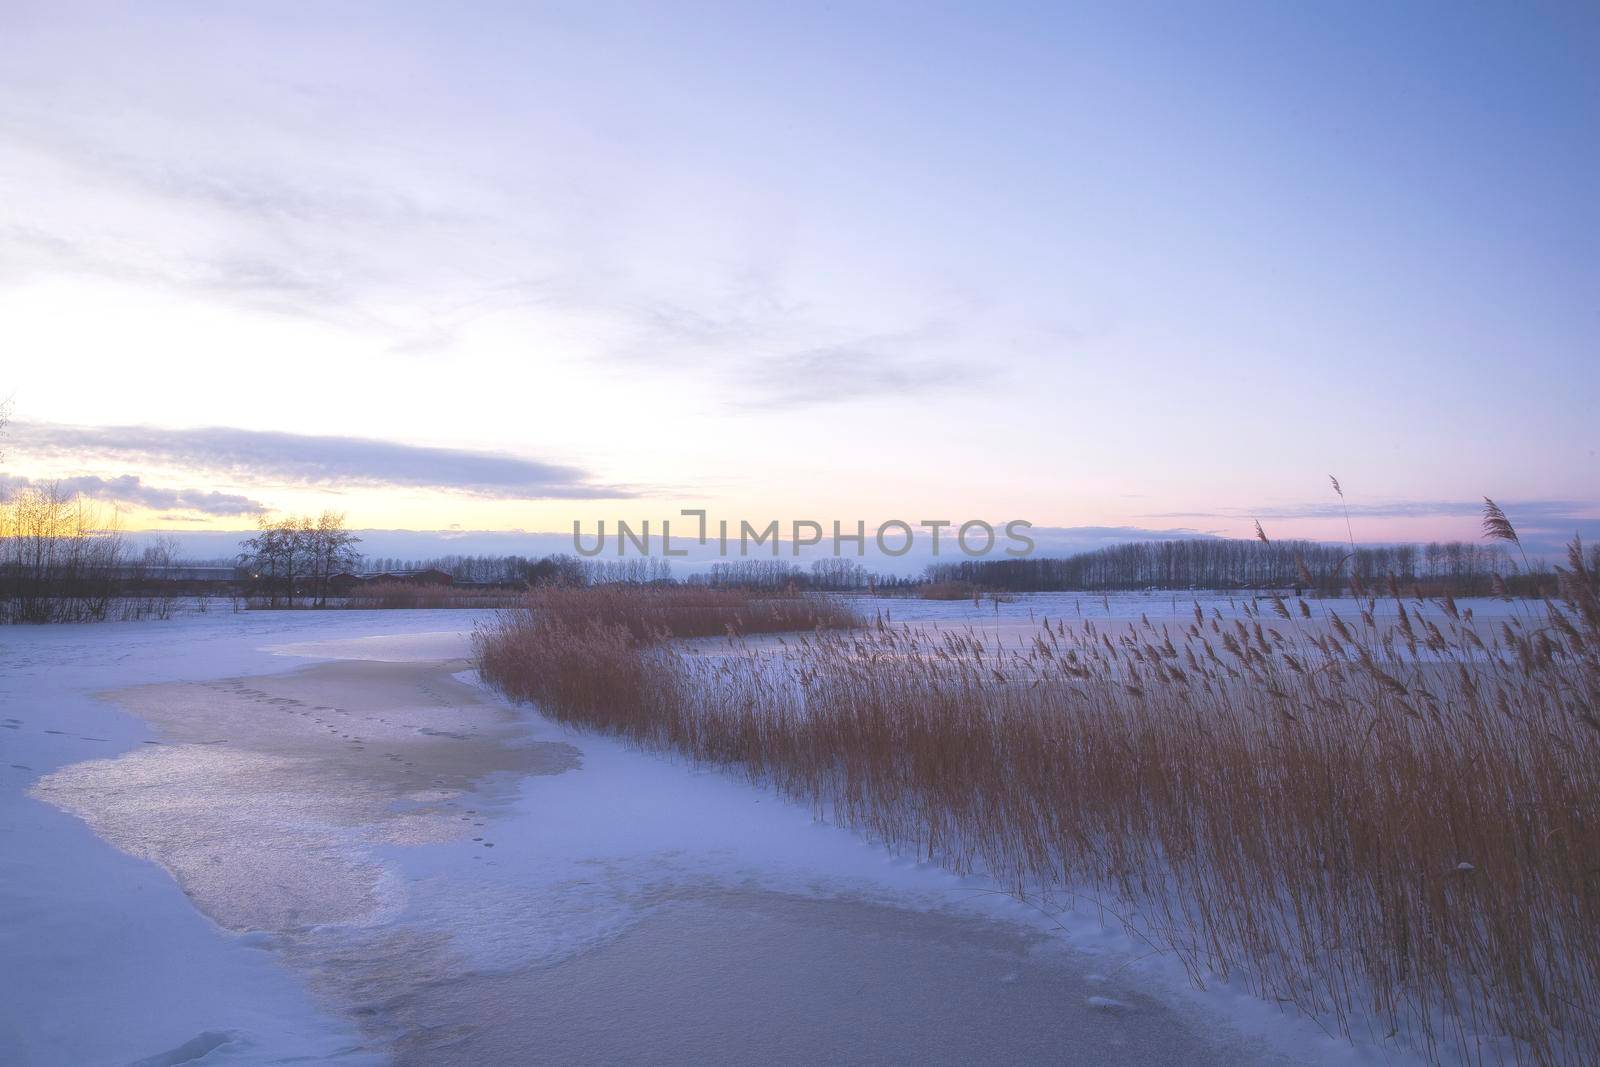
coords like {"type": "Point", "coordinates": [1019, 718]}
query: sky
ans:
{"type": "Point", "coordinates": [499, 267]}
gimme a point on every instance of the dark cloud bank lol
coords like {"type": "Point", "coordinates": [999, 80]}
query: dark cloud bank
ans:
{"type": "Point", "coordinates": [130, 490]}
{"type": "Point", "coordinates": [316, 460]}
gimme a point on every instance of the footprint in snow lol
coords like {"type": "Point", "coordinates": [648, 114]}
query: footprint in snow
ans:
{"type": "Point", "coordinates": [1107, 1004]}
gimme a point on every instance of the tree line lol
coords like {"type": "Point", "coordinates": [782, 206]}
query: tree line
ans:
{"type": "Point", "coordinates": [1459, 567]}
{"type": "Point", "coordinates": [835, 575]}
{"type": "Point", "coordinates": [830, 575]}
{"type": "Point", "coordinates": [511, 570]}
{"type": "Point", "coordinates": [62, 558]}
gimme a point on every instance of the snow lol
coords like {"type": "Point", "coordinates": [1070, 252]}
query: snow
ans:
{"type": "Point", "coordinates": [631, 907]}
{"type": "Point", "coordinates": [1024, 610]}
{"type": "Point", "coordinates": [105, 959]}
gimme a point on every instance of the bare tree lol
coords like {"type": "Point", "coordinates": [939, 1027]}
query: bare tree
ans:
{"type": "Point", "coordinates": [298, 554]}
{"type": "Point", "coordinates": [331, 550]}
{"type": "Point", "coordinates": [275, 557]}
{"type": "Point", "coordinates": [155, 568]}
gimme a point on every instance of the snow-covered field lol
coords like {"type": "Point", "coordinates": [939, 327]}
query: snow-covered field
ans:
{"type": "Point", "coordinates": [301, 836]}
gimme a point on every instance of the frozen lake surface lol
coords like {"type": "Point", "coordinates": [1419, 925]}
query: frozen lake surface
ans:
{"type": "Point", "coordinates": [278, 837]}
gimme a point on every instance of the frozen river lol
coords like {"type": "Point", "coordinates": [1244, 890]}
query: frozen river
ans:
{"type": "Point", "coordinates": [280, 837]}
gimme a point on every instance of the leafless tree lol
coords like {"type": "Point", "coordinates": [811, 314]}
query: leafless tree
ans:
{"type": "Point", "coordinates": [296, 553]}
{"type": "Point", "coordinates": [60, 557]}
{"type": "Point", "coordinates": [331, 551]}
{"type": "Point", "coordinates": [155, 569]}
{"type": "Point", "coordinates": [275, 557]}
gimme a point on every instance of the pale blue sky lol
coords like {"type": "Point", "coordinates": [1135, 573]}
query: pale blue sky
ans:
{"type": "Point", "coordinates": [1112, 264]}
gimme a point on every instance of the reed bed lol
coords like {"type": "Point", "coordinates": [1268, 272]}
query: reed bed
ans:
{"type": "Point", "coordinates": [652, 612]}
{"type": "Point", "coordinates": [1392, 824]}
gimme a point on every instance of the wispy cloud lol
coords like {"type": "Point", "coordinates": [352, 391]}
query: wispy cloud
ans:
{"type": "Point", "coordinates": [293, 224]}
{"type": "Point", "coordinates": [249, 228]}
{"type": "Point", "coordinates": [316, 460]}
{"type": "Point", "coordinates": [835, 374]}
{"type": "Point", "coordinates": [131, 490]}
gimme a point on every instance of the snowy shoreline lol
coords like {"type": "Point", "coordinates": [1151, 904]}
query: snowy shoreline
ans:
{"type": "Point", "coordinates": [608, 865]}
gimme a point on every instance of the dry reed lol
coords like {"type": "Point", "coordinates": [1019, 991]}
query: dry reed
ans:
{"type": "Point", "coordinates": [1389, 822]}
{"type": "Point", "coordinates": [649, 612]}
